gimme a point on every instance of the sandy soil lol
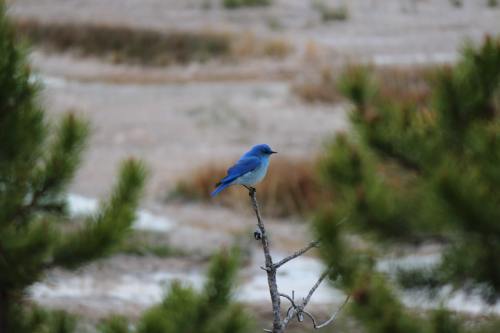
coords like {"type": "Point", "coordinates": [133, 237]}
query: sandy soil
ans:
{"type": "Point", "coordinates": [183, 117]}
{"type": "Point", "coordinates": [176, 127]}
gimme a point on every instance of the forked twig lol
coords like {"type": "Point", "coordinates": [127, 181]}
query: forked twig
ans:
{"type": "Point", "coordinates": [316, 285]}
{"type": "Point", "coordinates": [296, 254]}
{"type": "Point", "coordinates": [331, 319]}
{"type": "Point", "coordinates": [299, 309]}
{"type": "Point", "coordinates": [270, 268]}
{"type": "Point", "coordinates": [291, 299]}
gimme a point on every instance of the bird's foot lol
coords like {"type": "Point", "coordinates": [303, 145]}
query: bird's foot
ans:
{"type": "Point", "coordinates": [251, 190]}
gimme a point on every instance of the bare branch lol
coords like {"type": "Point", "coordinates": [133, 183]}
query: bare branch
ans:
{"type": "Point", "coordinates": [289, 298]}
{"type": "Point", "coordinates": [299, 310]}
{"type": "Point", "coordinates": [270, 270]}
{"type": "Point", "coordinates": [296, 254]}
{"type": "Point", "coordinates": [316, 285]}
{"type": "Point", "coordinates": [300, 252]}
{"type": "Point", "coordinates": [331, 319]}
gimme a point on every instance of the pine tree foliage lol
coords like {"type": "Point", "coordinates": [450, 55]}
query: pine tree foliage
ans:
{"type": "Point", "coordinates": [38, 320]}
{"type": "Point", "coordinates": [37, 162]}
{"type": "Point", "coordinates": [409, 173]}
{"type": "Point", "coordinates": [185, 310]}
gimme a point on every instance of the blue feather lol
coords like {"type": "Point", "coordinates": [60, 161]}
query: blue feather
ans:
{"type": "Point", "coordinates": [249, 170]}
{"type": "Point", "coordinates": [220, 188]}
{"type": "Point", "coordinates": [243, 166]}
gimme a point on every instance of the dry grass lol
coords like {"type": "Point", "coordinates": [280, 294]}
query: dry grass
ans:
{"type": "Point", "coordinates": [276, 48]}
{"type": "Point", "coordinates": [290, 188]}
{"type": "Point", "coordinates": [408, 84]}
{"type": "Point", "coordinates": [320, 86]}
{"type": "Point", "coordinates": [248, 45]}
{"type": "Point", "coordinates": [125, 44]}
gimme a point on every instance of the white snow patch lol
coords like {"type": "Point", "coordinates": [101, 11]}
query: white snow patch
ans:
{"type": "Point", "coordinates": [141, 289]}
{"type": "Point", "coordinates": [391, 264]}
{"type": "Point", "coordinates": [414, 58]}
{"type": "Point", "coordinates": [148, 288]}
{"type": "Point", "coordinates": [48, 81]}
{"type": "Point", "coordinates": [298, 275]}
{"type": "Point", "coordinates": [459, 301]}
{"type": "Point", "coordinates": [79, 206]}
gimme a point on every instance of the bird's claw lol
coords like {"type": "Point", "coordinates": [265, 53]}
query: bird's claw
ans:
{"type": "Point", "coordinates": [251, 190]}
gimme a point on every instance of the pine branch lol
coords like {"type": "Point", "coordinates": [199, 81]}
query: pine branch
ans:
{"type": "Point", "coordinates": [58, 169]}
{"type": "Point", "coordinates": [104, 231]}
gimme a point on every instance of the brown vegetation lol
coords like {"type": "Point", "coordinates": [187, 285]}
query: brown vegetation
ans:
{"type": "Point", "coordinates": [320, 86]}
{"type": "Point", "coordinates": [248, 45]}
{"type": "Point", "coordinates": [125, 44]}
{"type": "Point", "coordinates": [289, 188]}
{"type": "Point", "coordinates": [410, 83]}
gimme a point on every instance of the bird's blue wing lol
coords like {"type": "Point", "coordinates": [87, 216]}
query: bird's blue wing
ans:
{"type": "Point", "coordinates": [244, 165]}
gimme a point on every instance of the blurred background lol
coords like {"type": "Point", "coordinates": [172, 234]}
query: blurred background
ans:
{"type": "Point", "coordinates": [188, 86]}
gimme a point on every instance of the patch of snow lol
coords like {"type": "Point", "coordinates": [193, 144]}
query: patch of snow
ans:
{"type": "Point", "coordinates": [49, 81]}
{"type": "Point", "coordinates": [150, 222]}
{"type": "Point", "coordinates": [392, 264]}
{"type": "Point", "coordinates": [141, 289]}
{"type": "Point", "coordinates": [414, 58]}
{"type": "Point", "coordinates": [80, 206]}
{"type": "Point", "coordinates": [298, 275]}
{"type": "Point", "coordinates": [459, 301]}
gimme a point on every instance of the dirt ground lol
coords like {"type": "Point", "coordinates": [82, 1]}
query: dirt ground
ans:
{"type": "Point", "coordinates": [401, 29]}
{"type": "Point", "coordinates": [182, 117]}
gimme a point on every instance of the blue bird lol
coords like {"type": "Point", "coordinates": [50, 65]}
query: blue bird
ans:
{"type": "Point", "coordinates": [249, 170]}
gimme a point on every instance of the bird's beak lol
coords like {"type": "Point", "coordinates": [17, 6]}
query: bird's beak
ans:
{"type": "Point", "coordinates": [273, 152]}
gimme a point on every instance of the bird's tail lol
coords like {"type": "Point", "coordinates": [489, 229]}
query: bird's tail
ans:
{"type": "Point", "coordinates": [219, 188]}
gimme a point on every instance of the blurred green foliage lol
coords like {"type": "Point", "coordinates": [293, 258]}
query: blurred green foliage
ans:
{"type": "Point", "coordinates": [331, 13]}
{"type": "Point", "coordinates": [185, 310]}
{"type": "Point", "coordinates": [232, 4]}
{"type": "Point", "coordinates": [412, 172]}
{"type": "Point", "coordinates": [37, 162]}
{"type": "Point", "coordinates": [37, 320]}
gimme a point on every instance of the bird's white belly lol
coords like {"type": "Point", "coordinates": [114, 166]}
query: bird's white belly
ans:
{"type": "Point", "coordinates": [253, 177]}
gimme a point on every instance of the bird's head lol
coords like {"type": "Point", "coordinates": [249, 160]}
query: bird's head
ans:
{"type": "Point", "coordinates": [262, 150]}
